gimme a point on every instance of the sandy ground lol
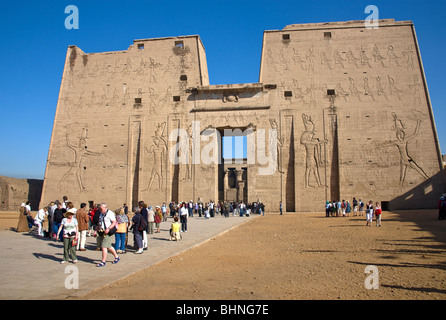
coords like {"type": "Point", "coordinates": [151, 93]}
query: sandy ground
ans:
{"type": "Point", "coordinates": [299, 256]}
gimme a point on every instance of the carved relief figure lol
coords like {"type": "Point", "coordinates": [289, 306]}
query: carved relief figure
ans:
{"type": "Point", "coordinates": [379, 86]}
{"type": "Point", "coordinates": [313, 152]}
{"type": "Point", "coordinates": [158, 153]}
{"type": "Point", "coordinates": [392, 55]}
{"type": "Point", "coordinates": [325, 60]}
{"type": "Point", "coordinates": [275, 126]}
{"type": "Point", "coordinates": [353, 90]}
{"type": "Point", "coordinates": [416, 91]}
{"type": "Point", "coordinates": [283, 62]}
{"type": "Point", "coordinates": [352, 59]}
{"type": "Point", "coordinates": [377, 56]}
{"type": "Point", "coordinates": [367, 90]}
{"type": "Point", "coordinates": [338, 59]}
{"type": "Point", "coordinates": [297, 59]}
{"type": "Point", "coordinates": [298, 92]}
{"type": "Point", "coordinates": [364, 59]}
{"type": "Point", "coordinates": [152, 70]}
{"type": "Point", "coordinates": [80, 151]}
{"type": "Point", "coordinates": [409, 53]}
{"type": "Point", "coordinates": [393, 89]}
{"type": "Point", "coordinates": [401, 142]}
{"type": "Point", "coordinates": [310, 60]}
{"type": "Point", "coordinates": [341, 92]}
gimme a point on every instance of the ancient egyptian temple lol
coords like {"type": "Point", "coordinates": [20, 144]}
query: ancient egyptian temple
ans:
{"type": "Point", "coordinates": [340, 111]}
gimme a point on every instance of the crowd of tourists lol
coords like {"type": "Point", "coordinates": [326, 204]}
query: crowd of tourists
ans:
{"type": "Point", "coordinates": [357, 208]}
{"type": "Point", "coordinates": [112, 229]}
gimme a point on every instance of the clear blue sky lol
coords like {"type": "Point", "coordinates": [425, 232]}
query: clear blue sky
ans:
{"type": "Point", "coordinates": [34, 40]}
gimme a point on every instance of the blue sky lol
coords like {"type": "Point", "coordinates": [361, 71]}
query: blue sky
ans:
{"type": "Point", "coordinates": [34, 40]}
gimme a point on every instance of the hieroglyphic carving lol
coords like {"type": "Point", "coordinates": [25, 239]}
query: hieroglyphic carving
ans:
{"type": "Point", "coordinates": [338, 59]}
{"type": "Point", "coordinates": [352, 59]}
{"type": "Point", "coordinates": [367, 90]}
{"type": "Point", "coordinates": [393, 89]}
{"type": "Point", "coordinates": [392, 56]}
{"type": "Point", "coordinates": [364, 59]}
{"type": "Point", "coordinates": [309, 56]}
{"type": "Point", "coordinates": [313, 150]}
{"type": "Point", "coordinates": [280, 141]}
{"type": "Point", "coordinates": [80, 151]}
{"type": "Point", "coordinates": [353, 89]}
{"type": "Point", "coordinates": [377, 56]}
{"type": "Point", "coordinates": [297, 59]}
{"type": "Point", "coordinates": [409, 54]}
{"type": "Point", "coordinates": [401, 142]}
{"type": "Point", "coordinates": [326, 61]}
{"type": "Point", "coordinates": [158, 153]}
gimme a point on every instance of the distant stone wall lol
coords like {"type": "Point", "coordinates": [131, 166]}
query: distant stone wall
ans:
{"type": "Point", "coordinates": [13, 192]}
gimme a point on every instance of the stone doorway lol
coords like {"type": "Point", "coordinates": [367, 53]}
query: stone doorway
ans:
{"type": "Point", "coordinates": [233, 168]}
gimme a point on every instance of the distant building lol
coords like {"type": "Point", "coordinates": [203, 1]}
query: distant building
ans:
{"type": "Point", "coordinates": [340, 111]}
{"type": "Point", "coordinates": [14, 192]}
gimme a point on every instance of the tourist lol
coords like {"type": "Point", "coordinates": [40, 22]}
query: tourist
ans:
{"type": "Point", "coordinates": [281, 208]}
{"type": "Point", "coordinates": [355, 207]}
{"type": "Point", "coordinates": [226, 208]}
{"type": "Point", "coordinates": [91, 212]}
{"type": "Point", "coordinates": [144, 213]}
{"type": "Point", "coordinates": [83, 224]}
{"type": "Point", "coordinates": [442, 207]}
{"type": "Point", "coordinates": [348, 208]}
{"type": "Point", "coordinates": [70, 235]}
{"type": "Point", "coordinates": [190, 207]}
{"type": "Point", "coordinates": [158, 219]}
{"type": "Point", "coordinates": [327, 208]}
{"type": "Point", "coordinates": [64, 202]}
{"type": "Point", "coordinates": [51, 207]}
{"type": "Point", "coordinates": [138, 226]}
{"type": "Point", "coordinates": [212, 208]}
{"type": "Point", "coordinates": [183, 217]}
{"type": "Point", "coordinates": [339, 208]}
{"type": "Point", "coordinates": [343, 207]}
{"type": "Point", "coordinates": [150, 219]}
{"type": "Point", "coordinates": [369, 213]}
{"type": "Point", "coordinates": [121, 232]}
{"type": "Point", "coordinates": [361, 208]}
{"type": "Point", "coordinates": [333, 210]}
{"type": "Point", "coordinates": [175, 230]}
{"type": "Point", "coordinates": [107, 221]}
{"type": "Point", "coordinates": [69, 205]}
{"type": "Point", "coordinates": [29, 218]}
{"type": "Point", "coordinates": [378, 213]}
{"type": "Point", "coordinates": [38, 220]}
{"type": "Point", "coordinates": [58, 217]}
{"type": "Point", "coordinates": [164, 211]}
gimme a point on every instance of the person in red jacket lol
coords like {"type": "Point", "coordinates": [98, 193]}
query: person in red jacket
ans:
{"type": "Point", "coordinates": [378, 213]}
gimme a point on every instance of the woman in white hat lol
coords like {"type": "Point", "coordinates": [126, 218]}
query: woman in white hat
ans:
{"type": "Point", "coordinates": [70, 229]}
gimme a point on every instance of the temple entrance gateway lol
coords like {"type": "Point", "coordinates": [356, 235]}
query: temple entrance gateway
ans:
{"type": "Point", "coordinates": [233, 169]}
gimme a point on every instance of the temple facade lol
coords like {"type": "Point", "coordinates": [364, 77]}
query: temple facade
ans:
{"type": "Point", "coordinates": [340, 111]}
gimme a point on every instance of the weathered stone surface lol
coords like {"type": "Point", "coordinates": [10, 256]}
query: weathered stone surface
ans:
{"type": "Point", "coordinates": [350, 107]}
{"type": "Point", "coordinates": [14, 192]}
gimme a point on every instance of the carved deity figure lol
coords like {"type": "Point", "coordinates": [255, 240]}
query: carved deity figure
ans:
{"type": "Point", "coordinates": [401, 142]}
{"type": "Point", "coordinates": [80, 151]}
{"type": "Point", "coordinates": [158, 153]}
{"type": "Point", "coordinates": [313, 152]}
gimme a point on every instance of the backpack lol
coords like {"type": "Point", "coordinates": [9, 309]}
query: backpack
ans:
{"type": "Point", "coordinates": [443, 205]}
{"type": "Point", "coordinates": [142, 224]}
{"type": "Point", "coordinates": [96, 215]}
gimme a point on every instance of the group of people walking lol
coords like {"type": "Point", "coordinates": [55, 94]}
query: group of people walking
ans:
{"type": "Point", "coordinates": [111, 229]}
{"type": "Point", "coordinates": [344, 208]}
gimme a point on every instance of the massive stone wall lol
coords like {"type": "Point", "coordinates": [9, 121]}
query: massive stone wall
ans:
{"type": "Point", "coordinates": [348, 108]}
{"type": "Point", "coordinates": [14, 192]}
